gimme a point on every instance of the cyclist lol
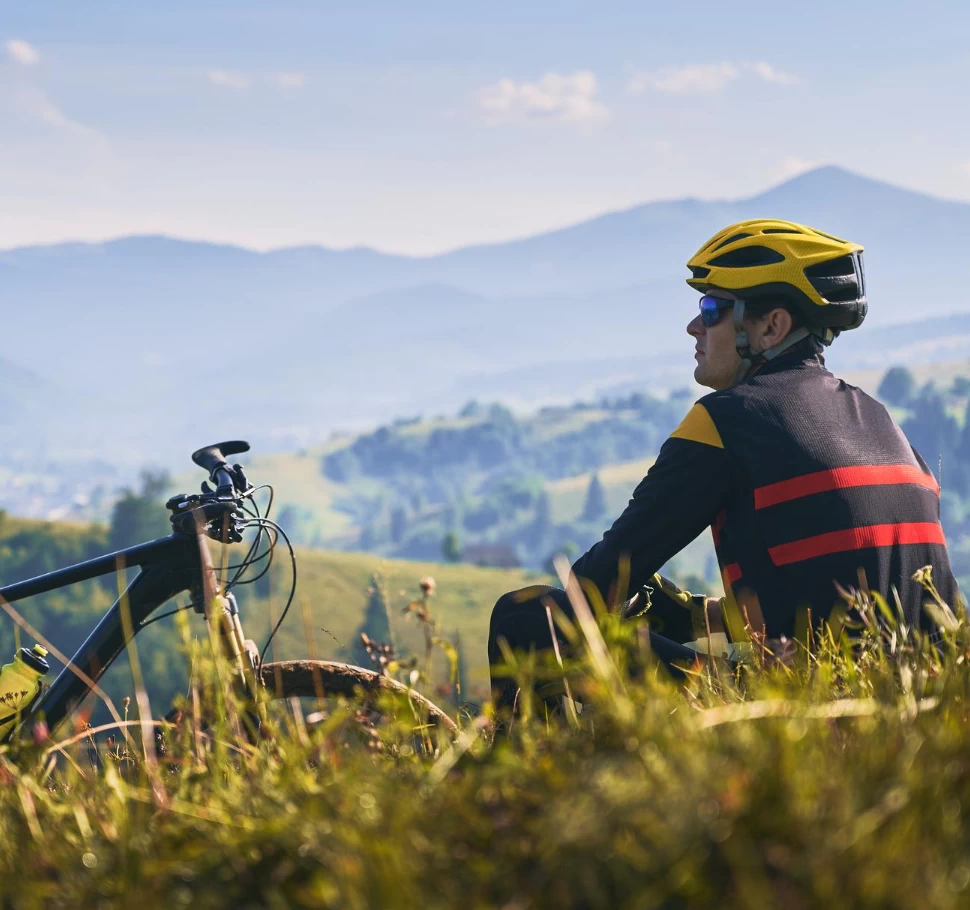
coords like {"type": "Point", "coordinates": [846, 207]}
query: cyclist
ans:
{"type": "Point", "coordinates": [806, 482]}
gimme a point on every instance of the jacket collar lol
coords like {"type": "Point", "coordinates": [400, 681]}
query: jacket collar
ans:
{"type": "Point", "coordinates": [805, 353]}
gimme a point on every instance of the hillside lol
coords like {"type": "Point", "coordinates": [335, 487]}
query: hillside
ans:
{"type": "Point", "coordinates": [312, 339]}
{"type": "Point", "coordinates": [333, 594]}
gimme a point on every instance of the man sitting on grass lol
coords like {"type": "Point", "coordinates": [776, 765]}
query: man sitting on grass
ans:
{"type": "Point", "coordinates": [806, 482]}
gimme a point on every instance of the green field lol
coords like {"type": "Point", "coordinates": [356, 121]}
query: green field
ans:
{"type": "Point", "coordinates": [331, 597]}
{"type": "Point", "coordinates": [333, 592]}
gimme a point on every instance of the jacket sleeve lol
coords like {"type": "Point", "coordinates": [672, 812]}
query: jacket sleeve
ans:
{"type": "Point", "coordinates": [680, 497]}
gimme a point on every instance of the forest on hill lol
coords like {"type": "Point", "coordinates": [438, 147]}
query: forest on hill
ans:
{"type": "Point", "coordinates": [487, 477]}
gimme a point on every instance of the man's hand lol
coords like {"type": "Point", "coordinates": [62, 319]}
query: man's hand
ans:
{"type": "Point", "coordinates": [670, 610]}
{"type": "Point", "coordinates": [656, 590]}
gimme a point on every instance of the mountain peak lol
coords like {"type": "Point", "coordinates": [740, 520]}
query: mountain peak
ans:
{"type": "Point", "coordinates": [832, 182]}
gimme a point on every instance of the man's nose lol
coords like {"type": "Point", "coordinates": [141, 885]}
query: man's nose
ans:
{"type": "Point", "coordinates": [695, 327]}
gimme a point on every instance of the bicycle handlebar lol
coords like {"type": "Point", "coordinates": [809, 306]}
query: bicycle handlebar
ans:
{"type": "Point", "coordinates": [217, 511]}
{"type": "Point", "coordinates": [213, 459]}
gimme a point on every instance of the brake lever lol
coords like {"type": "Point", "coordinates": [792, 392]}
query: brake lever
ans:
{"type": "Point", "coordinates": [239, 478]}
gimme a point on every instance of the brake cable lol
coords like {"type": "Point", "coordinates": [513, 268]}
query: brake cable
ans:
{"type": "Point", "coordinates": [289, 600]}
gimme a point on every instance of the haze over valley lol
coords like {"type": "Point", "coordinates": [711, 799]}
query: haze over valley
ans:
{"type": "Point", "coordinates": [137, 350]}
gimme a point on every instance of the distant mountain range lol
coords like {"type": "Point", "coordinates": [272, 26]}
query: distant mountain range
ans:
{"type": "Point", "coordinates": [156, 343]}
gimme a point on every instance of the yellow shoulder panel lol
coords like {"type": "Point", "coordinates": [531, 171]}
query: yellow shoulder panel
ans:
{"type": "Point", "coordinates": [699, 427]}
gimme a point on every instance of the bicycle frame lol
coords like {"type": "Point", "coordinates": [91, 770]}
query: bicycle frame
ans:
{"type": "Point", "coordinates": [169, 566]}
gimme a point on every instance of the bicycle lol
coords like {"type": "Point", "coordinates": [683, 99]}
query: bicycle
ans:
{"type": "Point", "coordinates": [182, 563]}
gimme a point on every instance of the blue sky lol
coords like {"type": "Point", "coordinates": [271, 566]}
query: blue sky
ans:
{"type": "Point", "coordinates": [422, 127]}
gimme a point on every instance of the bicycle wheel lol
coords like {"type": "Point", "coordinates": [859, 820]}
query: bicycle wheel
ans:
{"type": "Point", "coordinates": [329, 679]}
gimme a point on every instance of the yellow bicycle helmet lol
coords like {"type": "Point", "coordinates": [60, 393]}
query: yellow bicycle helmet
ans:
{"type": "Point", "coordinates": [819, 275]}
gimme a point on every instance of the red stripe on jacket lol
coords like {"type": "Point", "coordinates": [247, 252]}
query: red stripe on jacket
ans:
{"type": "Point", "coordinates": [857, 539]}
{"type": "Point", "coordinates": [840, 479]}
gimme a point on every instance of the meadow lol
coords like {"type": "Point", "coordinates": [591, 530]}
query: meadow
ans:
{"type": "Point", "coordinates": [839, 780]}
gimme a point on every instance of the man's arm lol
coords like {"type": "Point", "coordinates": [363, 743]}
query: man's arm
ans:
{"type": "Point", "coordinates": [680, 497]}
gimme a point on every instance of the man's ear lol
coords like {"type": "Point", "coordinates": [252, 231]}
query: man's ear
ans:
{"type": "Point", "coordinates": [775, 327]}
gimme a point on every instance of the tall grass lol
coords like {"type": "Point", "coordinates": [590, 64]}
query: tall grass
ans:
{"type": "Point", "coordinates": [840, 780]}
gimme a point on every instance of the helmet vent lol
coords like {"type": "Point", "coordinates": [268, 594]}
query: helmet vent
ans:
{"type": "Point", "coordinates": [747, 257]}
{"type": "Point", "coordinates": [838, 280]}
{"type": "Point", "coordinates": [781, 231]}
{"type": "Point", "coordinates": [831, 268]}
{"type": "Point", "coordinates": [698, 271]}
{"type": "Point", "coordinates": [843, 295]}
{"type": "Point", "coordinates": [731, 239]}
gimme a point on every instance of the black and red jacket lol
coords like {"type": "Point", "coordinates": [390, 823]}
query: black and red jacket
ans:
{"type": "Point", "coordinates": [804, 481]}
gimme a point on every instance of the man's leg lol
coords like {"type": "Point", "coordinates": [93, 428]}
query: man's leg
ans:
{"type": "Point", "coordinates": [520, 618]}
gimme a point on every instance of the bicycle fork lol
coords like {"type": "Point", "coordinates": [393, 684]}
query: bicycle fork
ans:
{"type": "Point", "coordinates": [242, 655]}
{"type": "Point", "coordinates": [225, 628]}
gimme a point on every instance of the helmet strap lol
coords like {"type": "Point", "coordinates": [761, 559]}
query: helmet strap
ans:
{"type": "Point", "coordinates": [826, 336]}
{"type": "Point", "coordinates": [741, 344]}
{"type": "Point", "coordinates": [751, 359]}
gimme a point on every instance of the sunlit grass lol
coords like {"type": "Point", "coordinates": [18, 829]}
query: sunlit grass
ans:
{"type": "Point", "coordinates": [840, 780]}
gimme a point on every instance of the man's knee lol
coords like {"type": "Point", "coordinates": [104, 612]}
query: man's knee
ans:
{"type": "Point", "coordinates": [514, 600]}
{"type": "Point", "coordinates": [515, 619]}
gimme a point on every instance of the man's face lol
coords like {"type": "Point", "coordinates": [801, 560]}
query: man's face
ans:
{"type": "Point", "coordinates": [715, 353]}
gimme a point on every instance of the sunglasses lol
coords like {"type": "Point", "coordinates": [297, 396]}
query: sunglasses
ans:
{"type": "Point", "coordinates": [712, 307]}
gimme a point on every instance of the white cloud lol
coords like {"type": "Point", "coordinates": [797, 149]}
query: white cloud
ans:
{"type": "Point", "coordinates": [704, 78]}
{"type": "Point", "coordinates": [22, 52]}
{"type": "Point", "coordinates": [23, 98]}
{"type": "Point", "coordinates": [229, 79]}
{"type": "Point", "coordinates": [290, 80]}
{"type": "Point", "coordinates": [767, 72]}
{"type": "Point", "coordinates": [566, 99]}
{"type": "Point", "coordinates": [32, 102]}
{"type": "Point", "coordinates": [697, 78]}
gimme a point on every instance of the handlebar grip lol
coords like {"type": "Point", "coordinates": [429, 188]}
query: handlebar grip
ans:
{"type": "Point", "coordinates": [214, 456]}
{"type": "Point", "coordinates": [225, 488]}
{"type": "Point", "coordinates": [213, 459]}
